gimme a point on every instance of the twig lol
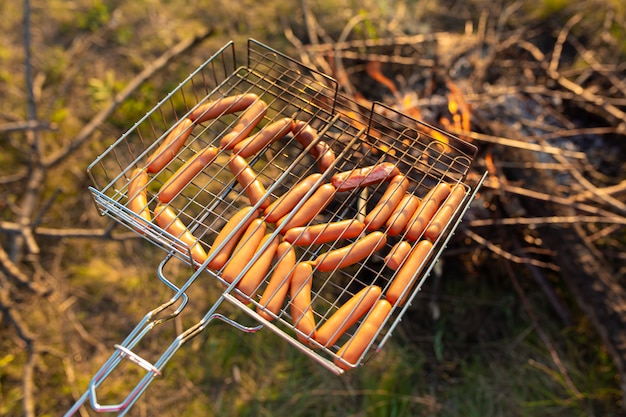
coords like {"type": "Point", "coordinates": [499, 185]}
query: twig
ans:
{"type": "Point", "coordinates": [507, 255]}
{"type": "Point", "coordinates": [119, 98]}
{"type": "Point", "coordinates": [560, 41]}
{"type": "Point", "coordinates": [14, 318]}
{"type": "Point", "coordinates": [555, 199]}
{"type": "Point", "coordinates": [26, 125]}
{"type": "Point", "coordinates": [537, 221]}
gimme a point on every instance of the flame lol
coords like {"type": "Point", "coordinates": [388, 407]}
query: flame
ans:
{"type": "Point", "coordinates": [459, 110]}
{"type": "Point", "coordinates": [374, 70]}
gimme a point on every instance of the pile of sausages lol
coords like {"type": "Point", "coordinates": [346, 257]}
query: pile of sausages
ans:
{"type": "Point", "coordinates": [246, 236]}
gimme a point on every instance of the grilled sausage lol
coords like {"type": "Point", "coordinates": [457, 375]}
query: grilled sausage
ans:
{"type": "Point", "coordinates": [390, 199]}
{"type": "Point", "coordinates": [183, 176]}
{"type": "Point", "coordinates": [398, 254]}
{"type": "Point", "coordinates": [311, 208]}
{"type": "Point", "coordinates": [305, 134]}
{"type": "Point", "coordinates": [237, 223]}
{"type": "Point", "coordinates": [249, 181]}
{"type": "Point", "coordinates": [244, 251]}
{"type": "Point", "coordinates": [246, 124]}
{"type": "Point", "coordinates": [361, 177]}
{"type": "Point", "coordinates": [403, 281]}
{"type": "Point", "coordinates": [290, 199]}
{"type": "Point", "coordinates": [428, 207]}
{"type": "Point", "coordinates": [168, 221]}
{"type": "Point", "coordinates": [138, 193]}
{"type": "Point", "coordinates": [258, 270]}
{"type": "Point", "coordinates": [352, 253]}
{"type": "Point", "coordinates": [400, 217]}
{"type": "Point", "coordinates": [444, 214]}
{"type": "Point", "coordinates": [170, 146]}
{"type": "Point", "coordinates": [347, 315]}
{"type": "Point", "coordinates": [324, 233]}
{"type": "Point", "coordinates": [353, 349]}
{"type": "Point", "coordinates": [223, 105]}
{"type": "Point", "coordinates": [264, 137]}
{"type": "Point", "coordinates": [276, 291]}
{"type": "Point", "coordinates": [300, 293]}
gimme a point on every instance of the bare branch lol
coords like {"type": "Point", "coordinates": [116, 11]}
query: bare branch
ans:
{"type": "Point", "coordinates": [130, 88]}
{"type": "Point", "coordinates": [507, 255]}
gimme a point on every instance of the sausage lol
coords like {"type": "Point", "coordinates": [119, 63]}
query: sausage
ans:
{"type": "Point", "coordinates": [223, 105]}
{"type": "Point", "coordinates": [236, 223]}
{"type": "Point", "coordinates": [258, 270]}
{"type": "Point", "coordinates": [444, 214]}
{"type": "Point", "coordinates": [388, 202]}
{"type": "Point", "coordinates": [249, 181]}
{"type": "Point", "coordinates": [264, 137]}
{"type": "Point", "coordinates": [138, 193]}
{"type": "Point", "coordinates": [347, 315]}
{"type": "Point", "coordinates": [352, 350]}
{"type": "Point", "coordinates": [400, 217]}
{"type": "Point", "coordinates": [300, 293]}
{"type": "Point", "coordinates": [183, 176]}
{"type": "Point", "coordinates": [170, 146]}
{"type": "Point", "coordinates": [352, 253]}
{"type": "Point", "coordinates": [167, 220]}
{"type": "Point", "coordinates": [324, 233]}
{"type": "Point", "coordinates": [276, 291]}
{"type": "Point", "coordinates": [311, 208]}
{"type": "Point", "coordinates": [398, 254]}
{"type": "Point", "coordinates": [244, 251]}
{"type": "Point", "coordinates": [290, 199]}
{"type": "Point", "coordinates": [402, 282]}
{"type": "Point", "coordinates": [305, 134]}
{"type": "Point", "coordinates": [361, 177]}
{"type": "Point", "coordinates": [247, 122]}
{"type": "Point", "coordinates": [423, 215]}
{"type": "Point", "coordinates": [326, 160]}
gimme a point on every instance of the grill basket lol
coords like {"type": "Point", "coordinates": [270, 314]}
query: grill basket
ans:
{"type": "Point", "coordinates": [358, 137]}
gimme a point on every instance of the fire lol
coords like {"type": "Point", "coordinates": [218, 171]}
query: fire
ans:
{"type": "Point", "coordinates": [458, 119]}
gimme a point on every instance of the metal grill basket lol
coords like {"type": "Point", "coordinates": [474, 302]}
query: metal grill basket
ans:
{"type": "Point", "coordinates": [357, 137]}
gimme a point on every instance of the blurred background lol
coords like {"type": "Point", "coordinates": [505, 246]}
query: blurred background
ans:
{"type": "Point", "coordinates": [525, 315]}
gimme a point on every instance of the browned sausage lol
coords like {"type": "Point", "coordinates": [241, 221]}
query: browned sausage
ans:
{"type": "Point", "coordinates": [300, 292]}
{"type": "Point", "coordinates": [353, 349]}
{"type": "Point", "coordinates": [285, 203]}
{"type": "Point", "coordinates": [398, 254]}
{"type": "Point", "coordinates": [276, 291]}
{"type": "Point", "coordinates": [390, 199]}
{"type": "Point", "coordinates": [223, 105]}
{"type": "Point", "coordinates": [237, 223]}
{"type": "Point", "coordinates": [249, 181]}
{"type": "Point", "coordinates": [426, 211]}
{"type": "Point", "coordinates": [404, 279]}
{"type": "Point", "coordinates": [170, 146]}
{"type": "Point", "coordinates": [352, 253]}
{"type": "Point", "coordinates": [311, 208]}
{"type": "Point", "coordinates": [305, 134]}
{"type": "Point", "coordinates": [183, 176]}
{"type": "Point", "coordinates": [138, 193]}
{"type": "Point", "coordinates": [244, 251]}
{"type": "Point", "coordinates": [361, 177]}
{"type": "Point", "coordinates": [399, 219]}
{"type": "Point", "coordinates": [444, 214]}
{"type": "Point", "coordinates": [258, 270]}
{"type": "Point", "coordinates": [246, 124]}
{"type": "Point", "coordinates": [347, 315]}
{"type": "Point", "coordinates": [324, 232]}
{"type": "Point", "coordinates": [168, 221]}
{"type": "Point", "coordinates": [264, 137]}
